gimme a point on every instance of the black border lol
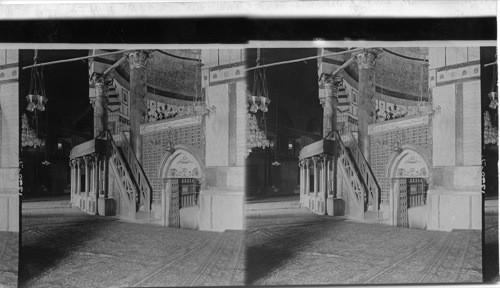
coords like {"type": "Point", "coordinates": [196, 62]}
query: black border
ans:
{"type": "Point", "coordinates": [240, 30]}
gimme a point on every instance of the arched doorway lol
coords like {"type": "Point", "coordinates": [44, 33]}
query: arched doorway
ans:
{"type": "Point", "coordinates": [181, 171]}
{"type": "Point", "coordinates": [409, 175]}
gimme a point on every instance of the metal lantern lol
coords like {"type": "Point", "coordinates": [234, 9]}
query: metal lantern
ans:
{"type": "Point", "coordinates": [31, 102]}
{"type": "Point", "coordinates": [41, 100]}
{"type": "Point", "coordinates": [494, 99]}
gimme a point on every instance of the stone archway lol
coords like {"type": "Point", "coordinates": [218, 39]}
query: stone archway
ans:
{"type": "Point", "coordinates": [409, 173]}
{"type": "Point", "coordinates": [181, 171]}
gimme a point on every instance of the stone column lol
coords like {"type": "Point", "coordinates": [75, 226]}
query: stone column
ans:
{"type": "Point", "coordinates": [329, 102]}
{"type": "Point", "coordinates": [308, 176]}
{"type": "Point", "coordinates": [301, 177]}
{"type": "Point", "coordinates": [72, 179]}
{"type": "Point", "coordinates": [78, 176]}
{"type": "Point", "coordinates": [324, 164]}
{"type": "Point", "coordinates": [366, 93]}
{"type": "Point", "coordinates": [138, 89]}
{"type": "Point", "coordinates": [87, 160]}
{"type": "Point", "coordinates": [100, 104]}
{"type": "Point", "coordinates": [315, 172]}
{"type": "Point", "coordinates": [97, 166]}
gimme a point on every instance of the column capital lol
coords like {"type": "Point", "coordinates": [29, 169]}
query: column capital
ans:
{"type": "Point", "coordinates": [366, 58]}
{"type": "Point", "coordinates": [330, 83]}
{"type": "Point", "coordinates": [139, 58]}
{"type": "Point", "coordinates": [72, 163]}
{"type": "Point", "coordinates": [315, 160]}
{"type": "Point", "coordinates": [99, 80]}
{"type": "Point", "coordinates": [323, 158]}
{"type": "Point", "coordinates": [87, 158]}
{"type": "Point", "coordinates": [78, 161]}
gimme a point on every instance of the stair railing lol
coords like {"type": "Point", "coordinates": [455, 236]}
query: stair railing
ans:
{"type": "Point", "coordinates": [366, 172]}
{"type": "Point", "coordinates": [354, 183]}
{"type": "Point", "coordinates": [124, 179]}
{"type": "Point", "coordinates": [140, 178]}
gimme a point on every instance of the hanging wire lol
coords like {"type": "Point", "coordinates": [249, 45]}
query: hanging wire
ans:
{"type": "Point", "coordinates": [494, 80]}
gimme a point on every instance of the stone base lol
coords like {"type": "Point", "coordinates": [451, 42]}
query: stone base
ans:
{"type": "Point", "coordinates": [156, 212]}
{"type": "Point", "coordinates": [9, 210]}
{"type": "Point", "coordinates": [189, 217]}
{"type": "Point", "coordinates": [221, 210]}
{"type": "Point", "coordinates": [105, 206]}
{"type": "Point", "coordinates": [448, 210]}
{"type": "Point", "coordinates": [417, 217]}
{"type": "Point", "coordinates": [335, 206]}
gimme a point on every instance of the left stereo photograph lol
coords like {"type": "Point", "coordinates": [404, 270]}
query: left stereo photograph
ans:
{"type": "Point", "coordinates": [133, 166]}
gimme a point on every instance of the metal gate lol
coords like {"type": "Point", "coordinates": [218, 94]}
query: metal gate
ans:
{"type": "Point", "coordinates": [188, 192]}
{"type": "Point", "coordinates": [403, 204]}
{"type": "Point", "coordinates": [174, 203]}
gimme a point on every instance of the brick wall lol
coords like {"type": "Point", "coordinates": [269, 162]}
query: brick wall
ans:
{"type": "Point", "coordinates": [382, 149]}
{"type": "Point", "coordinates": [154, 150]}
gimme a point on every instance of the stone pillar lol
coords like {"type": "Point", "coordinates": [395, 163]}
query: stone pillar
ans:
{"type": "Point", "coordinates": [78, 176]}
{"type": "Point", "coordinates": [138, 89]}
{"type": "Point", "coordinates": [301, 177]}
{"type": "Point", "coordinates": [329, 102]}
{"type": "Point", "coordinates": [72, 179]}
{"type": "Point", "coordinates": [366, 102]}
{"type": "Point", "coordinates": [324, 164]}
{"type": "Point", "coordinates": [308, 176]}
{"type": "Point", "coordinates": [100, 104]}
{"type": "Point", "coordinates": [97, 166]}
{"type": "Point", "coordinates": [315, 172]}
{"type": "Point", "coordinates": [455, 197]}
{"type": "Point", "coordinates": [87, 160]}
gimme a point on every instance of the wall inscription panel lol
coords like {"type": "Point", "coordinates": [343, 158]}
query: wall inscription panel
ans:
{"type": "Point", "coordinates": [443, 126]}
{"type": "Point", "coordinates": [472, 123]}
{"type": "Point", "coordinates": [217, 126]}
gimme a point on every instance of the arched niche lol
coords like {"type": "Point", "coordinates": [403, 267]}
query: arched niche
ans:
{"type": "Point", "coordinates": [180, 163]}
{"type": "Point", "coordinates": [408, 162]}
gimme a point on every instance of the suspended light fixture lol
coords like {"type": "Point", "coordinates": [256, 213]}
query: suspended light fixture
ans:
{"type": "Point", "coordinates": [493, 95]}
{"type": "Point", "coordinates": [258, 100]}
{"type": "Point", "coordinates": [36, 96]}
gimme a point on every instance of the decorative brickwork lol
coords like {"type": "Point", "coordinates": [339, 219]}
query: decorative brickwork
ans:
{"type": "Point", "coordinates": [383, 145]}
{"type": "Point", "coordinates": [155, 146]}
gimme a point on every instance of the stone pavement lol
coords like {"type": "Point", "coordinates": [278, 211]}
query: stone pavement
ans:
{"type": "Point", "coordinates": [292, 246]}
{"type": "Point", "coordinates": [9, 247]}
{"type": "Point", "coordinates": [62, 247]}
{"type": "Point", "coordinates": [490, 248]}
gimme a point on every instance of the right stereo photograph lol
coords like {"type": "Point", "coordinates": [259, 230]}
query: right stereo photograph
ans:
{"type": "Point", "coordinates": [371, 165]}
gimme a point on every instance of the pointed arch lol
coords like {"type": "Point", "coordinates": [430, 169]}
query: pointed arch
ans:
{"type": "Point", "coordinates": [180, 162]}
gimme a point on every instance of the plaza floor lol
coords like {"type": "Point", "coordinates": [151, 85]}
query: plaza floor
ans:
{"type": "Point", "coordinates": [9, 247]}
{"type": "Point", "coordinates": [62, 247]}
{"type": "Point", "coordinates": [287, 245]}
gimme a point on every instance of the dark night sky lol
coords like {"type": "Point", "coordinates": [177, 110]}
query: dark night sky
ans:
{"type": "Point", "coordinates": [66, 87]}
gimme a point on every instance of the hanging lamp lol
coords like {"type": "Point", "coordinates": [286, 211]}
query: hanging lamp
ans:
{"type": "Point", "coordinates": [493, 95]}
{"type": "Point", "coordinates": [36, 96]}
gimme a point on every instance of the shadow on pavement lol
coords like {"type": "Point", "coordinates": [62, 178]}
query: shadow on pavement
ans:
{"type": "Point", "coordinates": [490, 248]}
{"type": "Point", "coordinates": [47, 239]}
{"type": "Point", "coordinates": [266, 251]}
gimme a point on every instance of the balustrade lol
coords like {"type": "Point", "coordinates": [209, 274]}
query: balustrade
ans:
{"type": "Point", "coordinates": [138, 173]}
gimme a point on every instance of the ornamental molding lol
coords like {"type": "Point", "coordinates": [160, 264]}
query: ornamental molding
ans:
{"type": "Point", "coordinates": [139, 58]}
{"type": "Point", "coordinates": [367, 57]}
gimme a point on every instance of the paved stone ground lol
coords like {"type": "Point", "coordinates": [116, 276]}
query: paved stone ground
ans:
{"type": "Point", "coordinates": [490, 248]}
{"type": "Point", "coordinates": [62, 247]}
{"type": "Point", "coordinates": [9, 248]}
{"type": "Point", "coordinates": [287, 245]}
